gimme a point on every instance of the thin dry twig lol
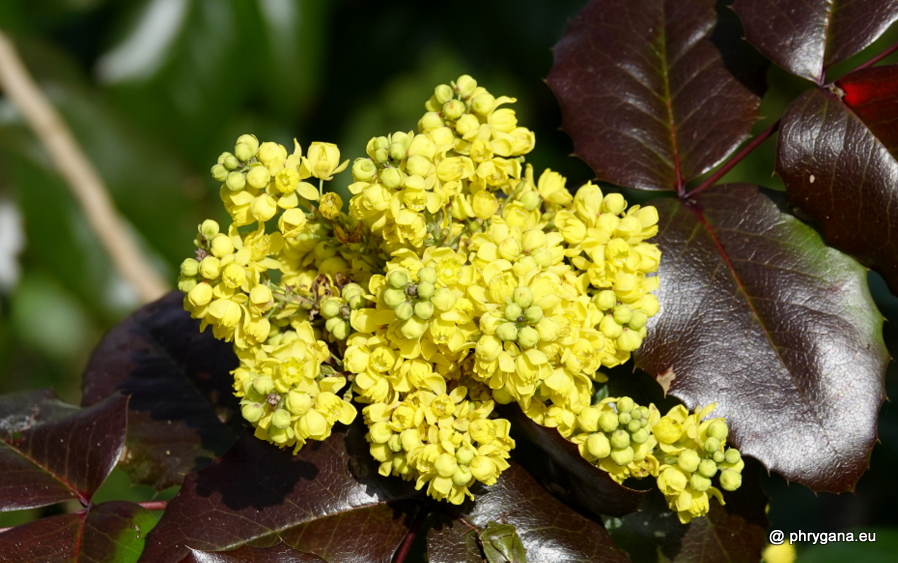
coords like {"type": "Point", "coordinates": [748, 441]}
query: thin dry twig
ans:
{"type": "Point", "coordinates": [79, 173]}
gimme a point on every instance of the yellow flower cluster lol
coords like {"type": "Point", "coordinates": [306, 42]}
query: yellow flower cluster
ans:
{"type": "Point", "coordinates": [455, 279]}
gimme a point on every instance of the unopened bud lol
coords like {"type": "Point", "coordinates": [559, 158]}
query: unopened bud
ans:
{"type": "Point", "coordinates": [598, 445]}
{"type": "Point", "coordinates": [427, 274]}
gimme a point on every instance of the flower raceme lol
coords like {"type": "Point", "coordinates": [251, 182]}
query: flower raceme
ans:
{"type": "Point", "coordinates": [454, 278]}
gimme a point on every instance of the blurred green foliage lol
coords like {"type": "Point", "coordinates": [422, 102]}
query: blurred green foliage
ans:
{"type": "Point", "coordinates": [155, 89]}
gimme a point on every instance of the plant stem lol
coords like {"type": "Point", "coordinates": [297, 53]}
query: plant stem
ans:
{"type": "Point", "coordinates": [878, 57]}
{"type": "Point", "coordinates": [735, 160]}
{"type": "Point", "coordinates": [402, 553]}
{"type": "Point", "coordinates": [154, 504]}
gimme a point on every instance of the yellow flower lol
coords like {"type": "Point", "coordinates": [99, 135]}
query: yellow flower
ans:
{"type": "Point", "coordinates": [323, 160]}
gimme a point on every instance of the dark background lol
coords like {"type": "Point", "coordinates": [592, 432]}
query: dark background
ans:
{"type": "Point", "coordinates": [155, 90]}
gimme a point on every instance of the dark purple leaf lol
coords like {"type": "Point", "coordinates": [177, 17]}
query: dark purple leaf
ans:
{"type": "Point", "coordinates": [842, 176]}
{"type": "Point", "coordinates": [550, 531]}
{"type": "Point", "coordinates": [182, 401]}
{"type": "Point", "coordinates": [258, 492]}
{"type": "Point", "coordinates": [63, 458]}
{"type": "Point", "coordinates": [21, 411]}
{"type": "Point", "coordinates": [558, 464]}
{"type": "Point", "coordinates": [111, 532]}
{"type": "Point", "coordinates": [743, 61]}
{"type": "Point", "coordinates": [779, 330]}
{"type": "Point", "coordinates": [806, 37]}
{"type": "Point", "coordinates": [644, 93]}
{"type": "Point", "coordinates": [279, 553]}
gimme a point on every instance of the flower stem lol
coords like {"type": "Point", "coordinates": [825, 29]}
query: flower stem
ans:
{"type": "Point", "coordinates": [878, 57]}
{"type": "Point", "coordinates": [413, 530]}
{"type": "Point", "coordinates": [154, 504]}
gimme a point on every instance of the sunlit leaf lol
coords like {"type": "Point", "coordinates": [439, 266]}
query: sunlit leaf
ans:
{"type": "Point", "coordinates": [760, 317]}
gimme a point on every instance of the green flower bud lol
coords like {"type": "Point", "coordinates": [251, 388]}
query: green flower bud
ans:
{"type": "Point", "coordinates": [424, 309]}
{"type": "Point", "coordinates": [397, 151]}
{"type": "Point", "coordinates": [443, 93]}
{"type": "Point", "coordinates": [235, 181]}
{"type": "Point", "coordinates": [465, 85]}
{"type": "Point", "coordinates": [507, 332]}
{"type": "Point", "coordinates": [404, 311]}
{"type": "Point", "coordinates": [620, 439]}
{"type": "Point", "coordinates": [331, 308]}
{"type": "Point", "coordinates": [732, 456]}
{"type": "Point", "coordinates": [464, 455]}
{"type": "Point", "coordinates": [462, 477]}
{"type": "Point", "coordinates": [712, 445]}
{"type": "Point", "coordinates": [391, 178]}
{"type": "Point", "coordinates": [730, 480]}
{"type": "Point", "coordinates": [394, 297]}
{"type": "Point", "coordinates": [251, 142]}
{"type": "Point", "coordinates": [614, 204]}
{"type": "Point", "coordinates": [189, 267]}
{"type": "Point", "coordinates": [700, 483]}
{"type": "Point", "coordinates": [707, 468]}
{"type": "Point", "coordinates": [628, 341]}
{"type": "Point", "coordinates": [298, 403]}
{"type": "Point", "coordinates": [410, 439]}
{"type": "Point", "coordinates": [718, 429]}
{"type": "Point", "coordinates": [453, 109]}
{"type": "Point", "coordinates": [186, 284]}
{"type": "Point", "coordinates": [210, 267]}
{"type": "Point", "coordinates": [638, 319]}
{"type": "Point", "coordinates": [332, 323]}
{"type": "Point", "coordinates": [588, 419]}
{"type": "Point", "coordinates": [221, 246]}
{"type": "Point", "coordinates": [625, 404]}
{"type": "Point", "coordinates": [243, 152]}
{"type": "Point", "coordinates": [622, 314]}
{"type": "Point", "coordinates": [718, 457]}
{"type": "Point", "coordinates": [258, 177]}
{"type": "Point", "coordinates": [208, 229]}
{"type": "Point", "coordinates": [427, 274]}
{"type": "Point", "coordinates": [397, 279]}
{"type": "Point", "coordinates": [512, 312]}
{"type": "Point", "coordinates": [252, 411]}
{"type": "Point", "coordinates": [381, 156]}
{"type": "Point", "coordinates": [281, 419]}
{"type": "Point", "coordinates": [380, 433]}
{"type": "Point", "coordinates": [425, 290]}
{"type": "Point", "coordinates": [533, 314]}
{"type": "Point", "coordinates": [413, 328]}
{"type": "Point", "coordinates": [363, 169]}
{"type": "Point", "coordinates": [523, 296]}
{"type": "Point", "coordinates": [445, 465]}
{"type": "Point", "coordinates": [443, 299]}
{"type": "Point", "coordinates": [380, 142]}
{"type": "Point", "coordinates": [624, 418]}
{"type": "Point", "coordinates": [622, 457]}
{"type": "Point", "coordinates": [531, 200]}
{"type": "Point", "coordinates": [528, 337]}
{"type": "Point", "coordinates": [417, 165]}
{"type": "Point", "coordinates": [609, 327]}
{"type": "Point", "coordinates": [640, 437]}
{"type": "Point", "coordinates": [633, 426]}
{"type": "Point", "coordinates": [483, 103]}
{"type": "Point", "coordinates": [229, 161]}
{"type": "Point", "coordinates": [430, 120]}
{"type": "Point", "coordinates": [608, 421]}
{"type": "Point", "coordinates": [689, 460]}
{"type": "Point", "coordinates": [351, 289]}
{"type": "Point", "coordinates": [341, 330]}
{"type": "Point", "coordinates": [598, 445]}
{"type": "Point", "coordinates": [220, 173]}
{"type": "Point", "coordinates": [395, 444]}
{"type": "Point", "coordinates": [605, 299]}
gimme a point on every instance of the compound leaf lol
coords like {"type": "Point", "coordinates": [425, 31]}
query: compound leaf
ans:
{"type": "Point", "coordinates": [180, 386]}
{"type": "Point", "coordinates": [61, 458]}
{"type": "Point", "coordinates": [112, 532]}
{"type": "Point", "coordinates": [806, 37]}
{"type": "Point", "coordinates": [760, 317]}
{"type": "Point", "coordinates": [837, 161]}
{"type": "Point", "coordinates": [644, 93]}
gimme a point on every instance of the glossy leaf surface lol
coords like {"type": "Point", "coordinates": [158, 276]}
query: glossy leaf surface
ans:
{"type": "Point", "coordinates": [180, 386]}
{"type": "Point", "coordinates": [871, 93]}
{"type": "Point", "coordinates": [63, 458]}
{"type": "Point", "coordinates": [279, 553]}
{"type": "Point", "coordinates": [776, 328]}
{"type": "Point", "coordinates": [257, 492]}
{"type": "Point", "coordinates": [557, 463]}
{"type": "Point", "coordinates": [111, 532]}
{"type": "Point", "coordinates": [644, 94]}
{"type": "Point", "coordinates": [806, 37]}
{"type": "Point", "coordinates": [549, 530]}
{"type": "Point", "coordinates": [839, 173]}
